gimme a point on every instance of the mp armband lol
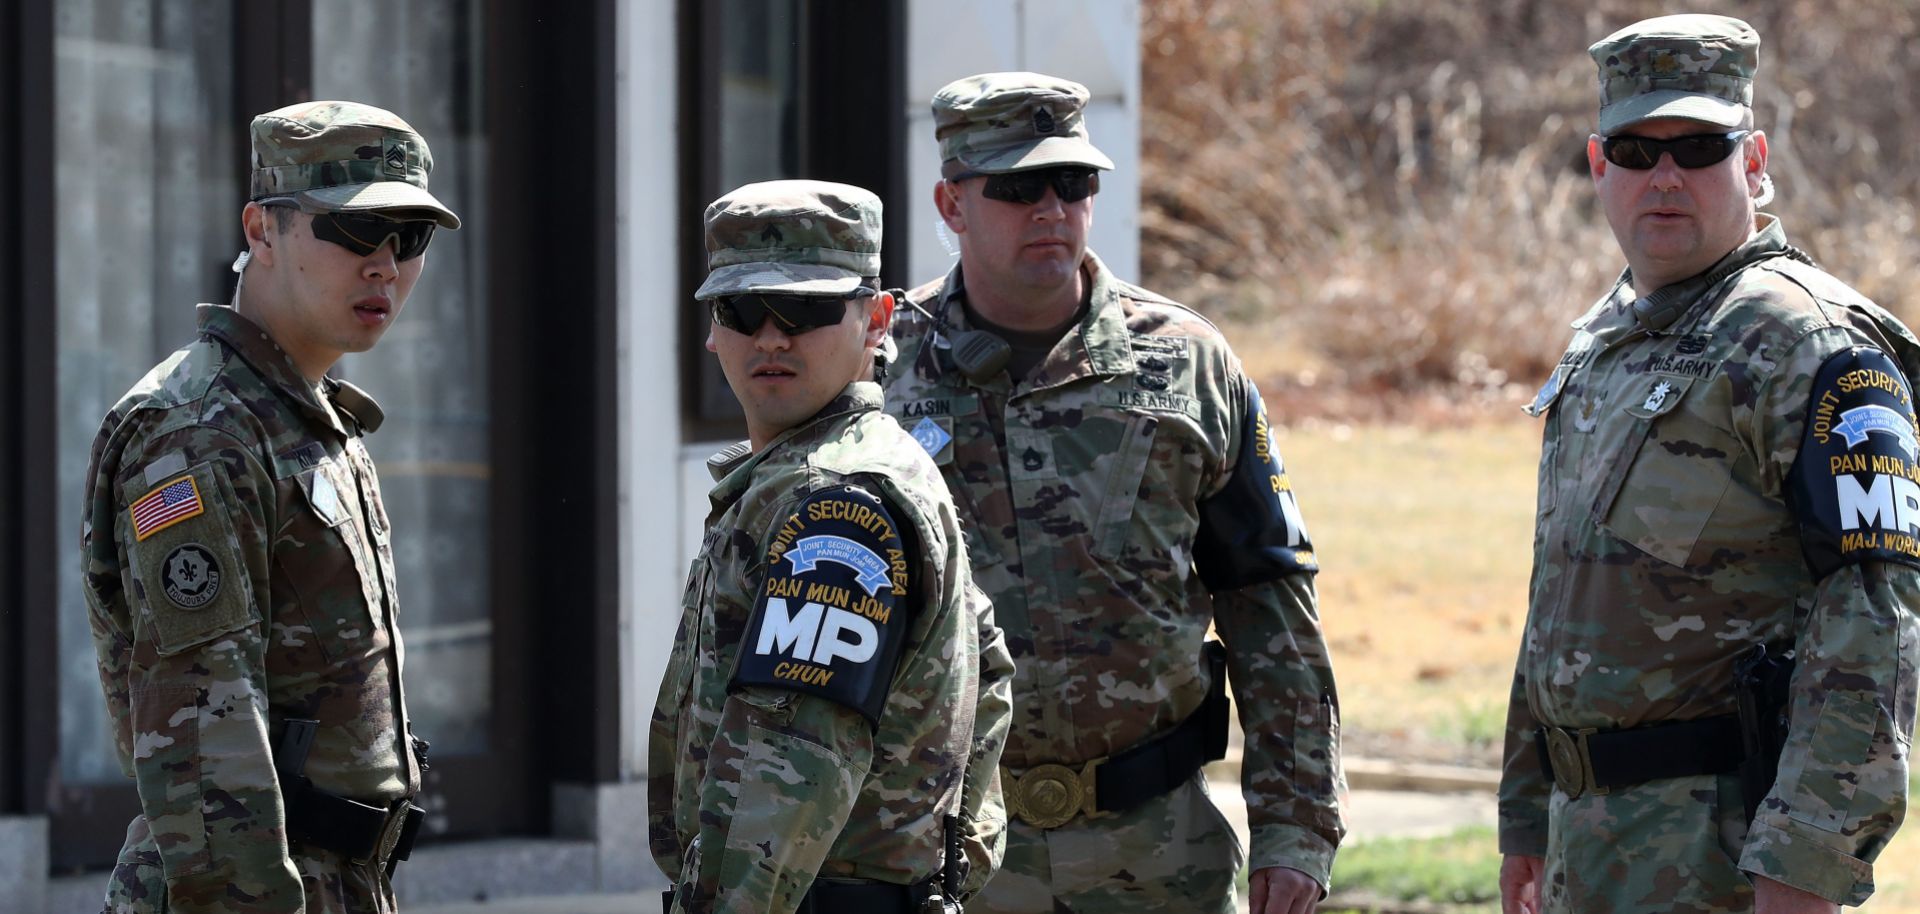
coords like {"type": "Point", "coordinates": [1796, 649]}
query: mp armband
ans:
{"type": "Point", "coordinates": [832, 616]}
{"type": "Point", "coordinates": [1853, 485]}
{"type": "Point", "coordinates": [1250, 531]}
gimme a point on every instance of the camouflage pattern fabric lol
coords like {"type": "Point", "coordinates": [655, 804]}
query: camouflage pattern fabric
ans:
{"type": "Point", "coordinates": [1081, 486]}
{"type": "Point", "coordinates": [798, 237]}
{"type": "Point", "coordinates": [754, 794]}
{"type": "Point", "coordinates": [1666, 549]}
{"type": "Point", "coordinates": [1158, 857]}
{"type": "Point", "coordinates": [239, 571]}
{"type": "Point", "coordinates": [334, 155]}
{"type": "Point", "coordinates": [995, 123]}
{"type": "Point", "coordinates": [1691, 66]}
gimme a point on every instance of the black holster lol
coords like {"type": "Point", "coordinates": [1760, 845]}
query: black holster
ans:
{"type": "Point", "coordinates": [1760, 681]}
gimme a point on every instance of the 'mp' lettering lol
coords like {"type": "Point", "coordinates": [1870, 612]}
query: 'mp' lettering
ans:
{"type": "Point", "coordinates": [817, 633]}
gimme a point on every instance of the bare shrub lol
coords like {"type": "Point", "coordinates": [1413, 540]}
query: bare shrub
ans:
{"type": "Point", "coordinates": [1385, 201]}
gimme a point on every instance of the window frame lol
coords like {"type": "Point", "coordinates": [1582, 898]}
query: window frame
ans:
{"type": "Point", "coordinates": [841, 44]}
{"type": "Point", "coordinates": [553, 560]}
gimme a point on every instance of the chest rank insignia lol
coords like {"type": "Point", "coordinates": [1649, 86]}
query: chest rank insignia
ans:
{"type": "Point", "coordinates": [1657, 396]}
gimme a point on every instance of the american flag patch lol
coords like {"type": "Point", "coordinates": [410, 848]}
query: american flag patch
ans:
{"type": "Point", "coordinates": [163, 507]}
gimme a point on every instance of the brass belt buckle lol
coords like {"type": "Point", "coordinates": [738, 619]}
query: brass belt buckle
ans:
{"type": "Point", "coordinates": [1572, 761]}
{"type": "Point", "coordinates": [1050, 795]}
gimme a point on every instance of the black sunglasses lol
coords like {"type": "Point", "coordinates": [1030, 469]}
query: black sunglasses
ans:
{"type": "Point", "coordinates": [1072, 182]}
{"type": "Point", "coordinates": [364, 233]}
{"type": "Point", "coordinates": [1695, 150]}
{"type": "Point", "coordinates": [793, 314]}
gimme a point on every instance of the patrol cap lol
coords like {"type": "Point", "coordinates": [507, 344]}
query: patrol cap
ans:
{"type": "Point", "coordinates": [798, 237]}
{"type": "Point", "coordinates": [995, 123]}
{"type": "Point", "coordinates": [345, 157]}
{"type": "Point", "coordinates": [1690, 66]}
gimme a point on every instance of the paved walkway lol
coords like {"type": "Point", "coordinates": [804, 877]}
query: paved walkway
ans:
{"type": "Point", "coordinates": [1370, 814]}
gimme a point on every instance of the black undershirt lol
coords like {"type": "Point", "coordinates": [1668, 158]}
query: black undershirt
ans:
{"type": "Point", "coordinates": [1030, 347]}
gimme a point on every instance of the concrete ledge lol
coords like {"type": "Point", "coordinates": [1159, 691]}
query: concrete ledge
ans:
{"type": "Point", "coordinates": [82, 894]}
{"type": "Point", "coordinates": [480, 871]}
{"type": "Point", "coordinates": [614, 818]}
{"type": "Point", "coordinates": [23, 863]}
{"type": "Point", "coordinates": [1380, 774]}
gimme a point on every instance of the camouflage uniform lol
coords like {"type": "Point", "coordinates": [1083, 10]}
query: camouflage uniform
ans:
{"type": "Point", "coordinates": [1669, 544]}
{"type": "Point", "coordinates": [1080, 485]}
{"type": "Point", "coordinates": [755, 790]}
{"type": "Point", "coordinates": [239, 572]}
{"type": "Point", "coordinates": [272, 598]}
{"type": "Point", "coordinates": [1091, 490]}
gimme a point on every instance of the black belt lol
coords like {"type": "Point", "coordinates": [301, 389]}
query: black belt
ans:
{"type": "Point", "coordinates": [861, 896]}
{"type": "Point", "coordinates": [1050, 795]}
{"type": "Point", "coordinates": [1595, 761]}
{"type": "Point", "coordinates": [360, 832]}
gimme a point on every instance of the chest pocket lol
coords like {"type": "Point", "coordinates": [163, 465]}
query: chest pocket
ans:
{"type": "Point", "coordinates": [1114, 512]}
{"type": "Point", "coordinates": [1671, 472]}
{"type": "Point", "coordinates": [328, 560]}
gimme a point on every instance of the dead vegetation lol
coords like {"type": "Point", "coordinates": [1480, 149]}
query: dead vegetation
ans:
{"type": "Point", "coordinates": [1387, 203]}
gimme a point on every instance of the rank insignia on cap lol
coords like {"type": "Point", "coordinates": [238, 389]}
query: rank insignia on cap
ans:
{"type": "Point", "coordinates": [1042, 121]}
{"type": "Point", "coordinates": [163, 507]}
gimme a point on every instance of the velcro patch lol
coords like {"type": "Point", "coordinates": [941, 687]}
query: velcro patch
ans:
{"type": "Point", "coordinates": [194, 581]}
{"type": "Point", "coordinates": [172, 502]}
{"type": "Point", "coordinates": [1855, 485]}
{"type": "Point", "coordinates": [832, 616]}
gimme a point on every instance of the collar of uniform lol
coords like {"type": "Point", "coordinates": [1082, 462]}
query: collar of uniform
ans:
{"type": "Point", "coordinates": [1099, 345]}
{"type": "Point", "coordinates": [732, 468]}
{"type": "Point", "coordinates": [1685, 303]}
{"type": "Point", "coordinates": [271, 362]}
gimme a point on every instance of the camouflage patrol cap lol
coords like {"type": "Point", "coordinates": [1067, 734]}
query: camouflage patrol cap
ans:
{"type": "Point", "coordinates": [797, 237]}
{"type": "Point", "coordinates": [1689, 66]}
{"type": "Point", "coordinates": [995, 123]}
{"type": "Point", "coordinates": [345, 157]}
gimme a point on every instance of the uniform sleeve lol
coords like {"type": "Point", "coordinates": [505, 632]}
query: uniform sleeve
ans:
{"type": "Point", "coordinates": [1524, 787]}
{"type": "Point", "coordinates": [1253, 553]}
{"type": "Point", "coordinates": [190, 521]}
{"type": "Point", "coordinates": [796, 738]}
{"type": "Point", "coordinates": [983, 809]}
{"type": "Point", "coordinates": [1836, 425]}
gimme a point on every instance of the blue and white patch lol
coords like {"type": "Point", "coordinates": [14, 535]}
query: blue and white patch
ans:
{"type": "Point", "coordinates": [833, 613]}
{"type": "Point", "coordinates": [931, 436]}
{"type": "Point", "coordinates": [1853, 486]}
{"type": "Point", "coordinates": [1858, 423]}
{"type": "Point", "coordinates": [869, 569]}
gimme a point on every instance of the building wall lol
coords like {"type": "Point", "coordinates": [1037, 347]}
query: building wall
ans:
{"type": "Point", "coordinates": [1094, 42]}
{"type": "Point", "coordinates": [654, 553]}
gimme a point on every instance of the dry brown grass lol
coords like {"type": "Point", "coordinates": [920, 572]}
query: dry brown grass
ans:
{"type": "Point", "coordinates": [1391, 198]}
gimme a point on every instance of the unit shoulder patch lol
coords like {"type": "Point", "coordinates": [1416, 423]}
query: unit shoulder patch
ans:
{"type": "Point", "coordinates": [1251, 531]}
{"type": "Point", "coordinates": [832, 616]}
{"type": "Point", "coordinates": [1855, 485]}
{"type": "Point", "coordinates": [182, 545]}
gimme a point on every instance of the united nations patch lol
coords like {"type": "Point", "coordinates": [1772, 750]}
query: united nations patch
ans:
{"type": "Point", "coordinates": [834, 611]}
{"type": "Point", "coordinates": [1853, 486]}
{"type": "Point", "coordinates": [190, 576]}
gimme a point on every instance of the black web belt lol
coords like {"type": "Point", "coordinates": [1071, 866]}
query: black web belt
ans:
{"type": "Point", "coordinates": [1050, 795]}
{"type": "Point", "coordinates": [1590, 760]}
{"type": "Point", "coordinates": [853, 896]}
{"type": "Point", "coordinates": [360, 832]}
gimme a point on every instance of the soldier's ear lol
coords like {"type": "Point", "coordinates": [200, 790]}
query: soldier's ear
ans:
{"type": "Point", "coordinates": [1596, 161]}
{"type": "Point", "coordinates": [879, 318]}
{"type": "Point", "coordinates": [259, 235]}
{"type": "Point", "coordinates": [946, 199]}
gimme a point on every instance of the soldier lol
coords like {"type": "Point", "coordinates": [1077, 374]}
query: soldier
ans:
{"type": "Point", "coordinates": [239, 566]}
{"type": "Point", "coordinates": [1123, 495]}
{"type": "Point", "coordinates": [827, 732]}
{"type": "Point", "coordinates": [1724, 563]}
